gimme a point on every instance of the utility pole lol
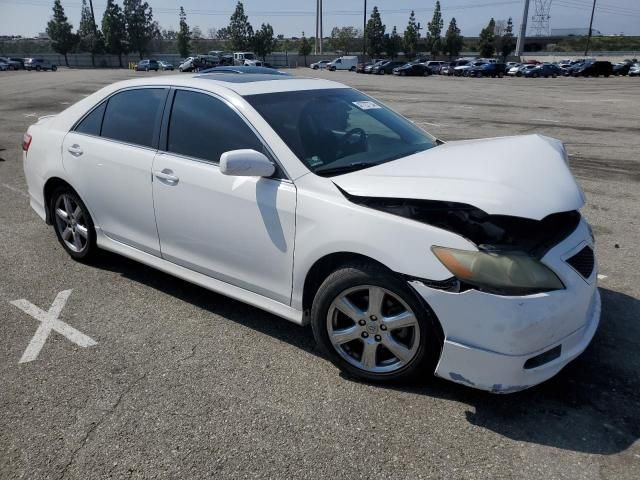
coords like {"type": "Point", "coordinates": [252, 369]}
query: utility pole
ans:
{"type": "Point", "coordinates": [364, 33]}
{"type": "Point", "coordinates": [593, 10]}
{"type": "Point", "coordinates": [315, 44]}
{"type": "Point", "coordinates": [321, 34]}
{"type": "Point", "coordinates": [93, 17]}
{"type": "Point", "coordinates": [523, 29]}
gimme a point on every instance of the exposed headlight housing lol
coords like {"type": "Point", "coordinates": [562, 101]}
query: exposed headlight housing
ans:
{"type": "Point", "coordinates": [504, 273]}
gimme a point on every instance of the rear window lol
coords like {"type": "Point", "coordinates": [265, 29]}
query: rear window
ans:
{"type": "Point", "coordinates": [133, 116]}
{"type": "Point", "coordinates": [92, 123]}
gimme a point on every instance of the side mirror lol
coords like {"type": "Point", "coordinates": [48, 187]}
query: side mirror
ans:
{"type": "Point", "coordinates": [246, 163]}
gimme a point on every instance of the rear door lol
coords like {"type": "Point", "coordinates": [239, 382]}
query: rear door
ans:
{"type": "Point", "coordinates": [237, 229]}
{"type": "Point", "coordinates": [109, 155]}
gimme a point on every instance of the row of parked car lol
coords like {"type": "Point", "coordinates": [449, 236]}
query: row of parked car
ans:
{"type": "Point", "coordinates": [198, 63]}
{"type": "Point", "coordinates": [38, 64]}
{"type": "Point", "coordinates": [484, 67]}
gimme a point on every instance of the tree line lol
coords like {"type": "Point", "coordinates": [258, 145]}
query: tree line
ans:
{"type": "Point", "coordinates": [131, 28]}
{"type": "Point", "coordinates": [125, 29]}
{"type": "Point", "coordinates": [496, 38]}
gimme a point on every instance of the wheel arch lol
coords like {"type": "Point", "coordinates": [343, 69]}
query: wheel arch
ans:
{"type": "Point", "coordinates": [324, 266]}
{"type": "Point", "coordinates": [50, 186]}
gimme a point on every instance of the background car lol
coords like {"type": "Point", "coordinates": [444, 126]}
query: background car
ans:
{"type": "Point", "coordinates": [146, 65]}
{"type": "Point", "coordinates": [519, 71]}
{"type": "Point", "coordinates": [465, 70]}
{"type": "Point", "coordinates": [39, 64]}
{"type": "Point", "coordinates": [11, 63]}
{"type": "Point", "coordinates": [634, 71]}
{"type": "Point", "coordinates": [369, 68]}
{"type": "Point", "coordinates": [545, 70]}
{"type": "Point", "coordinates": [165, 65]}
{"type": "Point", "coordinates": [3, 66]}
{"type": "Point", "coordinates": [361, 66]}
{"type": "Point", "coordinates": [320, 65]}
{"type": "Point", "coordinates": [434, 65]}
{"type": "Point", "coordinates": [413, 70]}
{"type": "Point", "coordinates": [593, 69]}
{"type": "Point", "coordinates": [488, 70]}
{"type": "Point", "coordinates": [386, 67]}
{"type": "Point", "coordinates": [346, 62]}
{"type": "Point", "coordinates": [186, 65]}
{"type": "Point", "coordinates": [622, 68]}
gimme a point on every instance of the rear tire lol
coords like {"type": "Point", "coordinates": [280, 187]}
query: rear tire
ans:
{"type": "Point", "coordinates": [73, 225]}
{"type": "Point", "coordinates": [365, 342]}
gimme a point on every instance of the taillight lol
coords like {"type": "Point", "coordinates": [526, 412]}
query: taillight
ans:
{"type": "Point", "coordinates": [26, 142]}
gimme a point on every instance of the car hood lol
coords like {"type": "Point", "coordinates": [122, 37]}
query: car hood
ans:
{"type": "Point", "coordinates": [523, 176]}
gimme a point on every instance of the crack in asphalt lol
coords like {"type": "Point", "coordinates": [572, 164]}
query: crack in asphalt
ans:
{"type": "Point", "coordinates": [93, 427]}
{"type": "Point", "coordinates": [110, 411]}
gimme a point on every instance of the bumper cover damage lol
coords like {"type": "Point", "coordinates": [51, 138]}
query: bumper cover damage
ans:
{"type": "Point", "coordinates": [489, 338]}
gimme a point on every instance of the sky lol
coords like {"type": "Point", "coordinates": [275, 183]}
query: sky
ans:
{"type": "Point", "coordinates": [291, 17]}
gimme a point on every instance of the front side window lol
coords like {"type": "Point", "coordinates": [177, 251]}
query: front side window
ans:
{"type": "Point", "coordinates": [133, 116]}
{"type": "Point", "coordinates": [335, 131]}
{"type": "Point", "coordinates": [204, 127]}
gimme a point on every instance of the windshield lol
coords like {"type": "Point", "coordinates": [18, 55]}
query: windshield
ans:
{"type": "Point", "coordinates": [334, 131]}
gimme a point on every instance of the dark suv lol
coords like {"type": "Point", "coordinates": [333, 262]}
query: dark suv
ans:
{"type": "Point", "coordinates": [39, 64]}
{"type": "Point", "coordinates": [386, 67]}
{"type": "Point", "coordinates": [12, 63]}
{"type": "Point", "coordinates": [146, 65]}
{"type": "Point", "coordinates": [593, 69]}
{"type": "Point", "coordinates": [488, 70]}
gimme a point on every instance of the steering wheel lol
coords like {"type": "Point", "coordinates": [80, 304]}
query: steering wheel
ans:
{"type": "Point", "coordinates": [355, 140]}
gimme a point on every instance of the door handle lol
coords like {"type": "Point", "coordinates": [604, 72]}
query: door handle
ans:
{"type": "Point", "coordinates": [167, 175]}
{"type": "Point", "coordinates": [75, 150]}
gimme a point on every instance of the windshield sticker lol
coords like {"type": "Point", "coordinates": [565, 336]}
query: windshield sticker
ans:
{"type": "Point", "coordinates": [366, 105]}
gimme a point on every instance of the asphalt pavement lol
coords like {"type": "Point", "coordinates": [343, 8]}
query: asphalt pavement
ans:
{"type": "Point", "coordinates": [180, 382]}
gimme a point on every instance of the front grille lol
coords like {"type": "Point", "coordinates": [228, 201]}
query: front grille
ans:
{"type": "Point", "coordinates": [583, 262]}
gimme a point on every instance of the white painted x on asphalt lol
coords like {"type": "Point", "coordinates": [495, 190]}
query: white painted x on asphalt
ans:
{"type": "Point", "coordinates": [49, 321]}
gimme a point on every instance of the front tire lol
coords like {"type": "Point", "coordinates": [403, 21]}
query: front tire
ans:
{"type": "Point", "coordinates": [73, 225]}
{"type": "Point", "coordinates": [373, 326]}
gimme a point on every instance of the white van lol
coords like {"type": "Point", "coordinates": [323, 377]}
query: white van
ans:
{"type": "Point", "coordinates": [344, 63]}
{"type": "Point", "coordinates": [240, 57]}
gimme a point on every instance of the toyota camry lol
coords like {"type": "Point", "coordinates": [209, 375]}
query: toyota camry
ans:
{"type": "Point", "coordinates": [408, 256]}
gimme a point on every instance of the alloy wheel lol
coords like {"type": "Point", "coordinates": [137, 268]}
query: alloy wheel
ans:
{"type": "Point", "coordinates": [373, 329]}
{"type": "Point", "coordinates": [71, 223]}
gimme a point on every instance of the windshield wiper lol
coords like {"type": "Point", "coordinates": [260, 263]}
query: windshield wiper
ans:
{"type": "Point", "coordinates": [352, 167]}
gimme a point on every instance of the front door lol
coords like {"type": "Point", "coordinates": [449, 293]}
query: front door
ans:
{"type": "Point", "coordinates": [236, 229]}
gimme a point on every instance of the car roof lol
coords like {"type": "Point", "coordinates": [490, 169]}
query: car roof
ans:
{"type": "Point", "coordinates": [244, 84]}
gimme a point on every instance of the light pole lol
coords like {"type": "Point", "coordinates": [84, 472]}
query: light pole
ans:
{"type": "Point", "coordinates": [593, 9]}
{"type": "Point", "coordinates": [523, 29]}
{"type": "Point", "coordinates": [364, 33]}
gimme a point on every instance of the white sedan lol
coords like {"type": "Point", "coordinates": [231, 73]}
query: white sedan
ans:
{"type": "Point", "coordinates": [317, 203]}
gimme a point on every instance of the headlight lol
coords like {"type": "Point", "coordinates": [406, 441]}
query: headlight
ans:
{"type": "Point", "coordinates": [502, 273]}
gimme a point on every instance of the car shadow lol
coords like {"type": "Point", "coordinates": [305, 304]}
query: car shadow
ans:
{"type": "Point", "coordinates": [592, 406]}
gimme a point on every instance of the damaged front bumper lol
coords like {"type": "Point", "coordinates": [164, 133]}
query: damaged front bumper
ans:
{"type": "Point", "coordinates": [504, 344]}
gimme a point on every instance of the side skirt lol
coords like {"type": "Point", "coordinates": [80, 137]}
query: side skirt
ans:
{"type": "Point", "coordinates": [237, 293]}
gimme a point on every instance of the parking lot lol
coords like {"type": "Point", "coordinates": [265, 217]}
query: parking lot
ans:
{"type": "Point", "coordinates": [180, 382]}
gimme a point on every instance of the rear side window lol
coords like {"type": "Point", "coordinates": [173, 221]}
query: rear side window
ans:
{"type": "Point", "coordinates": [92, 123]}
{"type": "Point", "coordinates": [133, 116]}
{"type": "Point", "coordinates": [204, 127]}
